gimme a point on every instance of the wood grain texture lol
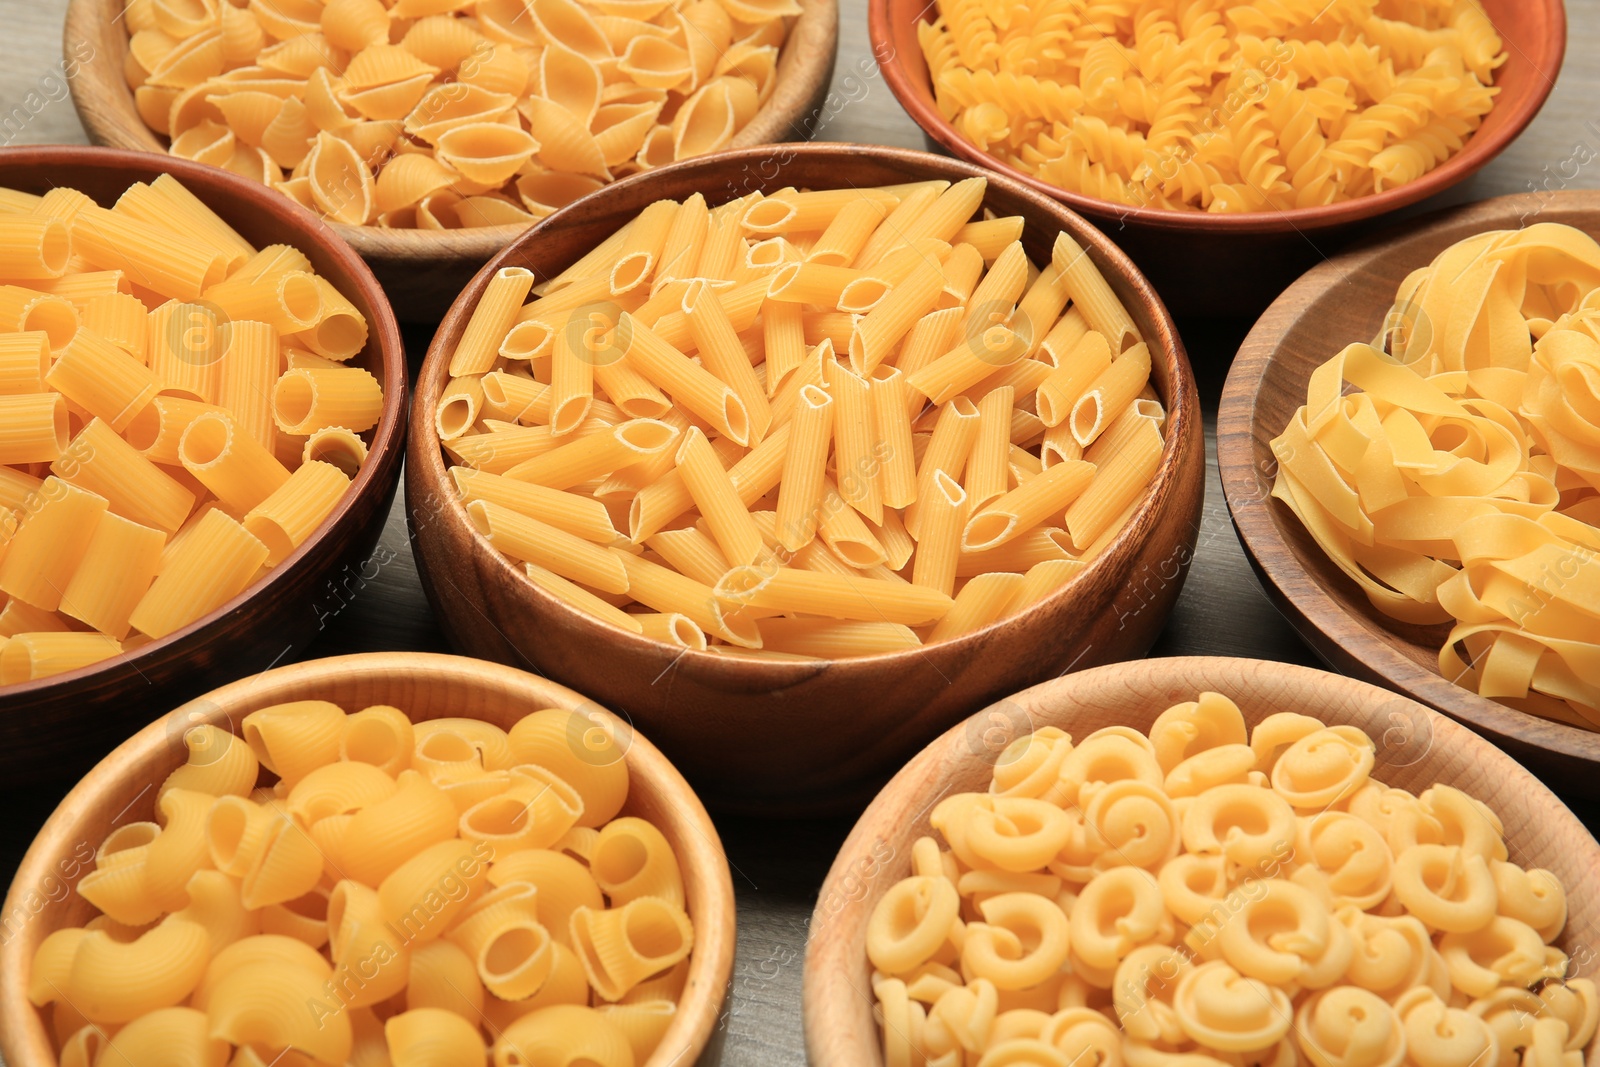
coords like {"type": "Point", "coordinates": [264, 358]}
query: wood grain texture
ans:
{"type": "Point", "coordinates": [838, 1002]}
{"type": "Point", "coordinates": [1234, 264]}
{"type": "Point", "coordinates": [56, 727]}
{"type": "Point", "coordinates": [801, 737]}
{"type": "Point", "coordinates": [1342, 301]}
{"type": "Point", "coordinates": [423, 270]}
{"type": "Point", "coordinates": [120, 790]}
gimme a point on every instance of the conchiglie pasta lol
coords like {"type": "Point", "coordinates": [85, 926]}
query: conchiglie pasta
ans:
{"type": "Point", "coordinates": [563, 1035]}
{"type": "Point", "coordinates": [620, 947]}
{"type": "Point", "coordinates": [584, 752]}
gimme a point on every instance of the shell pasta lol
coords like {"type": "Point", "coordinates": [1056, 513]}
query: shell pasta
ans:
{"type": "Point", "coordinates": [1209, 894]}
{"type": "Point", "coordinates": [335, 889]}
{"type": "Point", "coordinates": [807, 421]}
{"type": "Point", "coordinates": [440, 115]}
{"type": "Point", "coordinates": [1233, 106]}
{"type": "Point", "coordinates": [148, 479]}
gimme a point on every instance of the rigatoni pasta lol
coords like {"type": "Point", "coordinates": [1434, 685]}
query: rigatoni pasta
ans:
{"type": "Point", "coordinates": [859, 404]}
{"type": "Point", "coordinates": [330, 888]}
{"type": "Point", "coordinates": [1210, 893]}
{"type": "Point", "coordinates": [147, 476]}
{"type": "Point", "coordinates": [433, 116]}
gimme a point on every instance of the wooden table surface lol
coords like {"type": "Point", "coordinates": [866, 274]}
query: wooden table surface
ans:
{"type": "Point", "coordinates": [778, 866]}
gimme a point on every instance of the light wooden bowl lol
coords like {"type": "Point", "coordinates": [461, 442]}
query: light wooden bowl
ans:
{"type": "Point", "coordinates": [1416, 748]}
{"type": "Point", "coordinates": [424, 686]}
{"type": "Point", "coordinates": [805, 736]}
{"type": "Point", "coordinates": [1204, 264]}
{"type": "Point", "coordinates": [54, 729]}
{"type": "Point", "coordinates": [423, 270]}
{"type": "Point", "coordinates": [1344, 300]}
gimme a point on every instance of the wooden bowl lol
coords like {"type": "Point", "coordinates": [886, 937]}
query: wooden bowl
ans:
{"type": "Point", "coordinates": [805, 736]}
{"type": "Point", "coordinates": [423, 270]}
{"type": "Point", "coordinates": [1344, 300]}
{"type": "Point", "coordinates": [54, 729]}
{"type": "Point", "coordinates": [425, 686]}
{"type": "Point", "coordinates": [1416, 748]}
{"type": "Point", "coordinates": [1204, 264]}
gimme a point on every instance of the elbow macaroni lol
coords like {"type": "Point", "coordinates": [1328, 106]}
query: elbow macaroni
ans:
{"type": "Point", "coordinates": [1280, 907]}
{"type": "Point", "coordinates": [230, 933]}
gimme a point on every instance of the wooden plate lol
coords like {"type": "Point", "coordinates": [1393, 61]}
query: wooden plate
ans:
{"type": "Point", "coordinates": [1344, 300]}
{"type": "Point", "coordinates": [425, 686]}
{"type": "Point", "coordinates": [423, 270]}
{"type": "Point", "coordinates": [1416, 748]}
{"type": "Point", "coordinates": [56, 728]}
{"type": "Point", "coordinates": [1204, 264]}
{"type": "Point", "coordinates": [806, 736]}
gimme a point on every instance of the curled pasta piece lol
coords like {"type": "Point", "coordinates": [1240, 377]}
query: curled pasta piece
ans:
{"type": "Point", "coordinates": [1285, 936]}
{"type": "Point", "coordinates": [1015, 833]}
{"type": "Point", "coordinates": [1351, 854]}
{"type": "Point", "coordinates": [1390, 954]}
{"type": "Point", "coordinates": [632, 859]}
{"type": "Point", "coordinates": [1222, 765]}
{"type": "Point", "coordinates": [1120, 910]}
{"type": "Point", "coordinates": [1186, 729]}
{"type": "Point", "coordinates": [1504, 951]}
{"type": "Point", "coordinates": [381, 836]}
{"type": "Point", "coordinates": [218, 763]}
{"type": "Point", "coordinates": [1134, 824]}
{"type": "Point", "coordinates": [1575, 1003]}
{"type": "Point", "coordinates": [584, 750]}
{"type": "Point", "coordinates": [179, 850]}
{"type": "Point", "coordinates": [1466, 822]}
{"type": "Point", "coordinates": [620, 947]}
{"type": "Point", "coordinates": [1223, 1010]}
{"type": "Point", "coordinates": [1194, 886]}
{"type": "Point", "coordinates": [911, 922]}
{"type": "Point", "coordinates": [1446, 887]}
{"type": "Point", "coordinates": [1021, 942]}
{"type": "Point", "coordinates": [338, 789]}
{"type": "Point", "coordinates": [111, 981]}
{"type": "Point", "coordinates": [1107, 757]}
{"type": "Point", "coordinates": [1535, 897]}
{"type": "Point", "coordinates": [1324, 767]}
{"type": "Point", "coordinates": [262, 950]}
{"type": "Point", "coordinates": [1438, 1035]}
{"type": "Point", "coordinates": [1346, 1026]}
{"type": "Point", "coordinates": [1082, 1035]}
{"type": "Point", "coordinates": [962, 1016]}
{"type": "Point", "coordinates": [292, 740]}
{"type": "Point", "coordinates": [1251, 827]}
{"type": "Point", "coordinates": [1275, 733]}
{"type": "Point", "coordinates": [1146, 981]}
{"type": "Point", "coordinates": [904, 1023]}
{"type": "Point", "coordinates": [1031, 765]}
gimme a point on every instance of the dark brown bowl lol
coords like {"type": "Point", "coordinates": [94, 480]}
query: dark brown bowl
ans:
{"type": "Point", "coordinates": [1204, 264]}
{"type": "Point", "coordinates": [54, 729]}
{"type": "Point", "coordinates": [1415, 749]}
{"type": "Point", "coordinates": [423, 270]}
{"type": "Point", "coordinates": [799, 737]}
{"type": "Point", "coordinates": [1345, 300]}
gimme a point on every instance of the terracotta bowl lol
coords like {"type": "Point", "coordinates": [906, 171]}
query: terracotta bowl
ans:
{"type": "Point", "coordinates": [1205, 264]}
{"type": "Point", "coordinates": [1416, 748]}
{"type": "Point", "coordinates": [55, 728]}
{"type": "Point", "coordinates": [119, 790]}
{"type": "Point", "coordinates": [1346, 299]}
{"type": "Point", "coordinates": [805, 736]}
{"type": "Point", "coordinates": [423, 270]}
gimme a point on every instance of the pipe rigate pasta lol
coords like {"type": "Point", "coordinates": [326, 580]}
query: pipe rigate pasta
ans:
{"type": "Point", "coordinates": [368, 907]}
{"type": "Point", "coordinates": [1236, 923]}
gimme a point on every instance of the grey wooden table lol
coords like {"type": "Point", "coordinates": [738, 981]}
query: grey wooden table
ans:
{"type": "Point", "coordinates": [778, 866]}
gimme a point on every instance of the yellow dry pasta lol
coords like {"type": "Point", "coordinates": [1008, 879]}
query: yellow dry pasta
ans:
{"type": "Point", "coordinates": [778, 457]}
{"type": "Point", "coordinates": [1240, 107]}
{"type": "Point", "coordinates": [1211, 893]}
{"type": "Point", "coordinates": [250, 917]}
{"type": "Point", "coordinates": [1451, 470]}
{"type": "Point", "coordinates": [137, 421]}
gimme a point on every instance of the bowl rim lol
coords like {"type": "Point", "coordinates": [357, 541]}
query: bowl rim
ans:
{"type": "Point", "coordinates": [836, 932]}
{"type": "Point", "coordinates": [425, 459]}
{"type": "Point", "coordinates": [1255, 519]}
{"type": "Point", "coordinates": [388, 435]}
{"type": "Point", "coordinates": [1474, 155]}
{"type": "Point", "coordinates": [813, 33]}
{"type": "Point", "coordinates": [22, 1032]}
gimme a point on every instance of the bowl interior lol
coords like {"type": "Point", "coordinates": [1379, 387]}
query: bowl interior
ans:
{"type": "Point", "coordinates": [262, 218]}
{"type": "Point", "coordinates": [561, 240]}
{"type": "Point", "coordinates": [1535, 43]}
{"type": "Point", "coordinates": [1416, 748]}
{"type": "Point", "coordinates": [1343, 301]}
{"type": "Point", "coordinates": [122, 790]}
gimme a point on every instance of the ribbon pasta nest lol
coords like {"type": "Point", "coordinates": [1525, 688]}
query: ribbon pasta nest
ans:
{"type": "Point", "coordinates": [832, 422]}
{"type": "Point", "coordinates": [410, 894]}
{"type": "Point", "coordinates": [1452, 467]}
{"type": "Point", "coordinates": [1221, 107]}
{"type": "Point", "coordinates": [442, 114]}
{"type": "Point", "coordinates": [1212, 896]}
{"type": "Point", "coordinates": [177, 415]}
